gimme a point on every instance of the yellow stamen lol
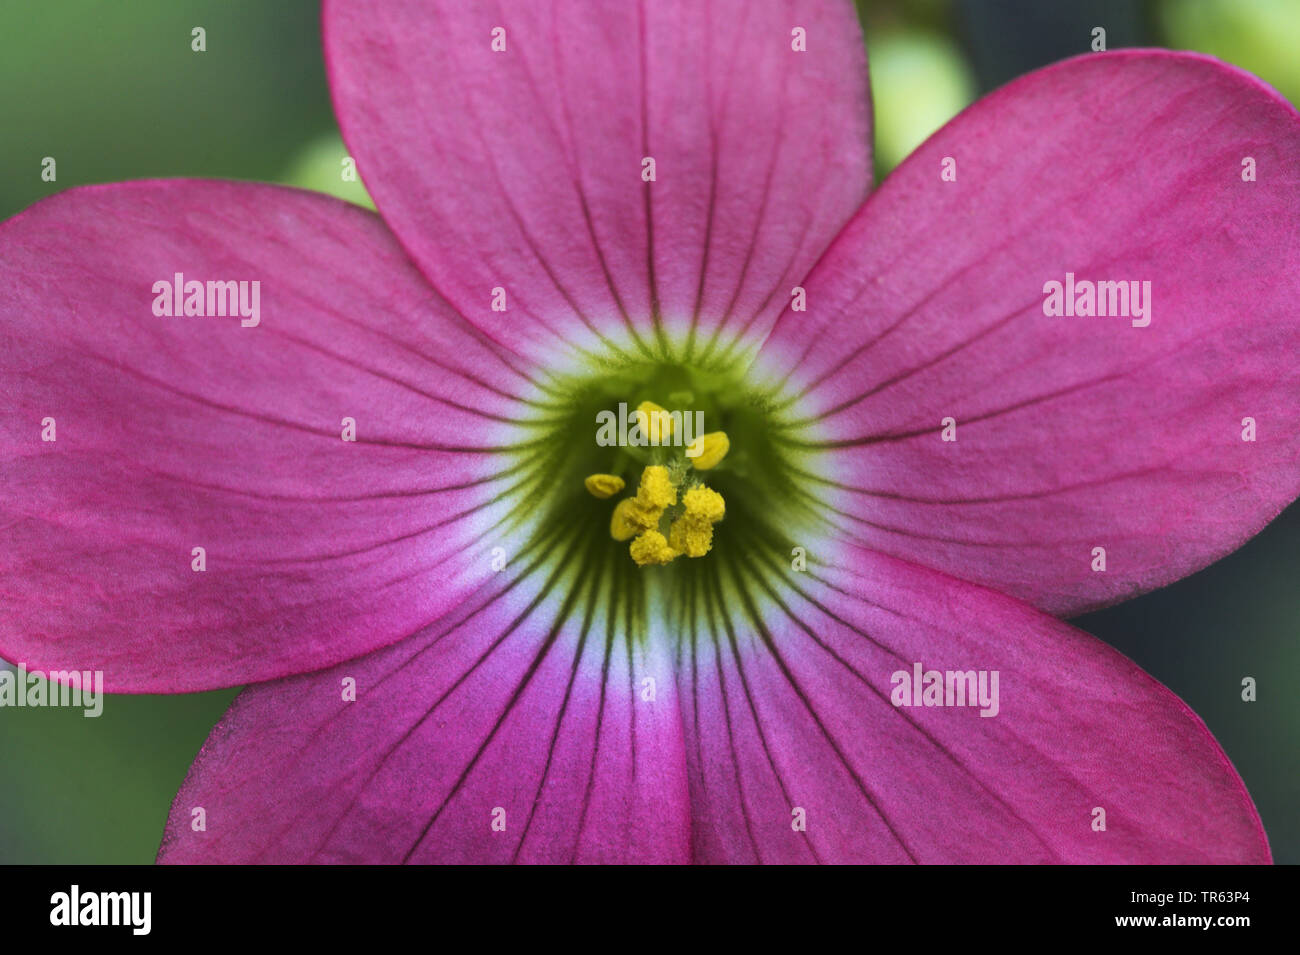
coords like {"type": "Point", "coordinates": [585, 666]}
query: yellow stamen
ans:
{"type": "Point", "coordinates": [603, 485]}
{"type": "Point", "coordinates": [633, 515]}
{"type": "Point", "coordinates": [651, 548]}
{"type": "Point", "coordinates": [692, 533]}
{"type": "Point", "coordinates": [655, 421]}
{"type": "Point", "coordinates": [624, 524]}
{"type": "Point", "coordinates": [708, 450]}
{"type": "Point", "coordinates": [656, 490]}
{"type": "Point", "coordinates": [690, 536]}
{"type": "Point", "coordinates": [637, 518]}
{"type": "Point", "coordinates": [704, 504]}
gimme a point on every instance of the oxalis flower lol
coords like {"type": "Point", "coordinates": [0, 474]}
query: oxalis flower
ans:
{"type": "Point", "coordinates": [375, 484]}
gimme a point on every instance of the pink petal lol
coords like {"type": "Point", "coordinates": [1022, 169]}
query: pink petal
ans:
{"type": "Point", "coordinates": [1072, 433]}
{"type": "Point", "coordinates": [521, 709]}
{"type": "Point", "coordinates": [795, 713]}
{"type": "Point", "coordinates": [521, 169]}
{"type": "Point", "coordinates": [524, 703]}
{"type": "Point", "coordinates": [181, 432]}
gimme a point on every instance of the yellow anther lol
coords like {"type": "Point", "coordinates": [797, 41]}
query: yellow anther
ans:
{"type": "Point", "coordinates": [626, 521]}
{"type": "Point", "coordinates": [692, 533]}
{"type": "Point", "coordinates": [632, 515]}
{"type": "Point", "coordinates": [704, 504]}
{"type": "Point", "coordinates": [708, 450]}
{"type": "Point", "coordinates": [603, 485]}
{"type": "Point", "coordinates": [656, 491]}
{"type": "Point", "coordinates": [691, 536]}
{"type": "Point", "coordinates": [652, 548]}
{"type": "Point", "coordinates": [638, 518]}
{"type": "Point", "coordinates": [655, 421]}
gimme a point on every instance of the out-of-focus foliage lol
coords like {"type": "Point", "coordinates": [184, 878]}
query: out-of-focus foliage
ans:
{"type": "Point", "coordinates": [113, 90]}
{"type": "Point", "coordinates": [1262, 36]}
{"type": "Point", "coordinates": [323, 165]}
{"type": "Point", "coordinates": [919, 81]}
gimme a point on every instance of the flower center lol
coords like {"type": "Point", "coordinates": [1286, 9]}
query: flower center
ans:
{"type": "Point", "coordinates": [673, 512]}
{"type": "Point", "coordinates": [667, 463]}
{"type": "Point", "coordinates": [645, 494]}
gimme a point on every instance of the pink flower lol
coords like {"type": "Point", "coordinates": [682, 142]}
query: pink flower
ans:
{"type": "Point", "coordinates": [454, 660]}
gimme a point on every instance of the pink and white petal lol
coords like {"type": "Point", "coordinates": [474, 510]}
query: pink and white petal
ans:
{"type": "Point", "coordinates": [789, 719]}
{"type": "Point", "coordinates": [1072, 433]}
{"type": "Point", "coordinates": [521, 168]}
{"type": "Point", "coordinates": [519, 729]}
{"type": "Point", "coordinates": [175, 433]}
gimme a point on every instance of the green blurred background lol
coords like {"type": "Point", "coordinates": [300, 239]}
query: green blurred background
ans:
{"type": "Point", "coordinates": [113, 91]}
